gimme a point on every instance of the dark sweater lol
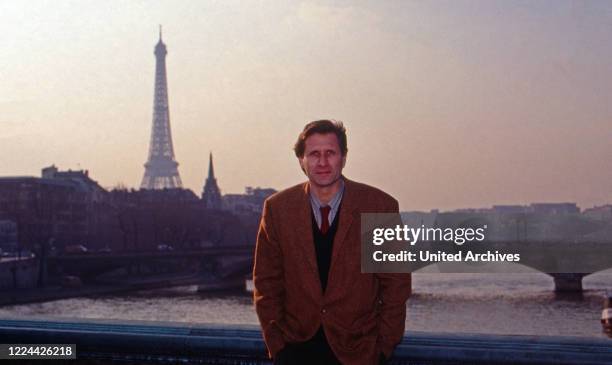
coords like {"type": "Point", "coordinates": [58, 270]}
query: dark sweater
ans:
{"type": "Point", "coordinates": [324, 246]}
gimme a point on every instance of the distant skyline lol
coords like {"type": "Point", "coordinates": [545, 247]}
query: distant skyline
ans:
{"type": "Point", "coordinates": [448, 104]}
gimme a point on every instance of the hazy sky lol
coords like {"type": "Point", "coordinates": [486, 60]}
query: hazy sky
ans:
{"type": "Point", "coordinates": [448, 104]}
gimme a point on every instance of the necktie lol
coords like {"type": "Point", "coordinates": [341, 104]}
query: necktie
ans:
{"type": "Point", "coordinates": [324, 218]}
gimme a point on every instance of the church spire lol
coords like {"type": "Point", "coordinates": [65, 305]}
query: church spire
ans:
{"type": "Point", "coordinates": [211, 195]}
{"type": "Point", "coordinates": [211, 169]}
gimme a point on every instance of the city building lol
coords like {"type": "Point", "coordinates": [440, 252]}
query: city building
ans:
{"type": "Point", "coordinates": [555, 208]}
{"type": "Point", "coordinates": [602, 213]}
{"type": "Point", "coordinates": [8, 236]}
{"type": "Point", "coordinates": [66, 206]}
{"type": "Point", "coordinates": [510, 209]}
{"type": "Point", "coordinates": [249, 202]}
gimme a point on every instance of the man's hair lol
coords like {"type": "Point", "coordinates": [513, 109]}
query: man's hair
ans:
{"type": "Point", "coordinates": [322, 127]}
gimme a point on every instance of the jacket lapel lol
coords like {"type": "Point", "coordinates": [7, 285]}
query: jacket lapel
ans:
{"type": "Point", "coordinates": [348, 209]}
{"type": "Point", "coordinates": [304, 234]}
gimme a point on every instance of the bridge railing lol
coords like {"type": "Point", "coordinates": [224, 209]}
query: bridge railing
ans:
{"type": "Point", "coordinates": [133, 342]}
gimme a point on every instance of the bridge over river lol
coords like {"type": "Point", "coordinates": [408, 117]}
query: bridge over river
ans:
{"type": "Point", "coordinates": [212, 268]}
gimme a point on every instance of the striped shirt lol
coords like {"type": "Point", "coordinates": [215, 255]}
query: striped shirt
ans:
{"type": "Point", "coordinates": [334, 204]}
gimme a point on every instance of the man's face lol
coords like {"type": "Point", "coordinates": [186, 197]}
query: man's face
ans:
{"type": "Point", "coordinates": [322, 161]}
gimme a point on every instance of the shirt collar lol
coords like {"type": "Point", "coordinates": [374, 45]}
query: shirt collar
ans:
{"type": "Point", "coordinates": [335, 200]}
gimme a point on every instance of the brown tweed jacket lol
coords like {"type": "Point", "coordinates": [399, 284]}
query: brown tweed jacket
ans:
{"type": "Point", "coordinates": [362, 314]}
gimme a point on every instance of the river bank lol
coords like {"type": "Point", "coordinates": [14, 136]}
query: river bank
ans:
{"type": "Point", "coordinates": [123, 285]}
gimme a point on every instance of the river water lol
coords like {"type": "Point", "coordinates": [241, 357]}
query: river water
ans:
{"type": "Point", "coordinates": [469, 303]}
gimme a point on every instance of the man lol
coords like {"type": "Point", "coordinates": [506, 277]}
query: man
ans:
{"type": "Point", "coordinates": [314, 304]}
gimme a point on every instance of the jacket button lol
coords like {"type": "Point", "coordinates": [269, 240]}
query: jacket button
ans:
{"type": "Point", "coordinates": [323, 311]}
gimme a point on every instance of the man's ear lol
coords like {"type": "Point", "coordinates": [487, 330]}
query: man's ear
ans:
{"type": "Point", "coordinates": [301, 161]}
{"type": "Point", "coordinates": [343, 161]}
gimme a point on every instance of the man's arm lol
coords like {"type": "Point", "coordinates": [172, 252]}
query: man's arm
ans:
{"type": "Point", "coordinates": [268, 282]}
{"type": "Point", "coordinates": [394, 290]}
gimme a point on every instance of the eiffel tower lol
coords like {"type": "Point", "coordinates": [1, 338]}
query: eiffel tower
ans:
{"type": "Point", "coordinates": [161, 169]}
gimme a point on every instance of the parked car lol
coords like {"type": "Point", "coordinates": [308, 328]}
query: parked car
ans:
{"type": "Point", "coordinates": [24, 253]}
{"type": "Point", "coordinates": [70, 281]}
{"type": "Point", "coordinates": [76, 249]}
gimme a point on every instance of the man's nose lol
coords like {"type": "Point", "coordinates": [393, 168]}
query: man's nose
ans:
{"type": "Point", "coordinates": [323, 161]}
